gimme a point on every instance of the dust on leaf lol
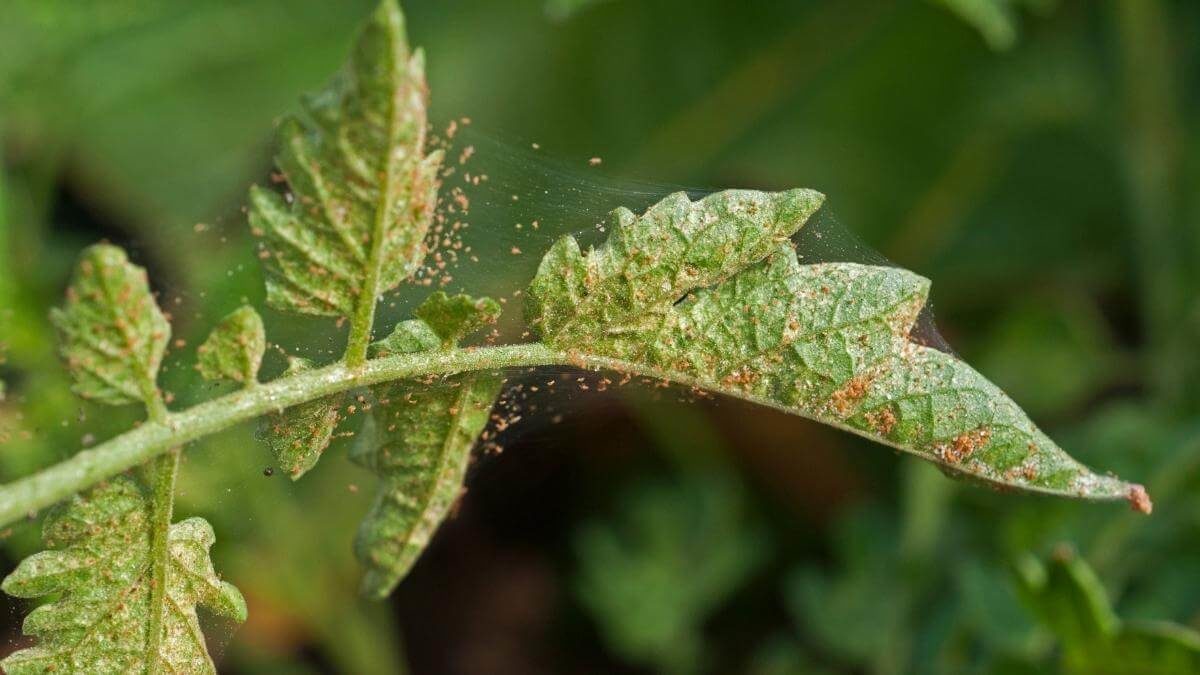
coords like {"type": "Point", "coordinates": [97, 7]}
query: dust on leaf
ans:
{"type": "Point", "coordinates": [418, 440]}
{"type": "Point", "coordinates": [99, 563]}
{"type": "Point", "coordinates": [712, 292]}
{"type": "Point", "coordinates": [362, 189]}
{"type": "Point", "coordinates": [112, 333]}
{"type": "Point", "coordinates": [299, 435]}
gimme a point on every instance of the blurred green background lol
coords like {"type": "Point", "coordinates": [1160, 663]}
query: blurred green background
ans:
{"type": "Point", "coordinates": [1038, 160]}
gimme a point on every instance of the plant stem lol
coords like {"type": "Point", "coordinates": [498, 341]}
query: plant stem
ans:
{"type": "Point", "coordinates": [165, 470]}
{"type": "Point", "coordinates": [28, 495]}
{"type": "Point", "coordinates": [1152, 144]}
{"type": "Point", "coordinates": [360, 332]}
{"type": "Point", "coordinates": [24, 497]}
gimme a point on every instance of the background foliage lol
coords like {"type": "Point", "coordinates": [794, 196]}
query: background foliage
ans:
{"type": "Point", "coordinates": [1036, 160]}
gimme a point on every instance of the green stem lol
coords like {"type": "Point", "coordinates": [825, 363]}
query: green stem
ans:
{"type": "Point", "coordinates": [27, 495]}
{"type": "Point", "coordinates": [1152, 142]}
{"type": "Point", "coordinates": [165, 470]}
{"type": "Point", "coordinates": [364, 312]}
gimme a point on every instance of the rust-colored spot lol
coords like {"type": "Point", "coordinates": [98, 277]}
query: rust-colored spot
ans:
{"type": "Point", "coordinates": [742, 378]}
{"type": "Point", "coordinates": [882, 421]}
{"type": "Point", "coordinates": [843, 399]}
{"type": "Point", "coordinates": [963, 445]}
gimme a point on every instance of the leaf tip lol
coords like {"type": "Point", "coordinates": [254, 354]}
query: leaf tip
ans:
{"type": "Point", "coordinates": [104, 253]}
{"type": "Point", "coordinates": [12, 584]}
{"type": "Point", "coordinates": [799, 204]}
{"type": "Point", "coordinates": [1139, 499]}
{"type": "Point", "coordinates": [377, 586]}
{"type": "Point", "coordinates": [232, 603]}
{"type": "Point", "coordinates": [389, 18]}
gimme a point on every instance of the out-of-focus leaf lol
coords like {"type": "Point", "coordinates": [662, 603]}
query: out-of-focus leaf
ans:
{"type": "Point", "coordinates": [710, 292]}
{"type": "Point", "coordinates": [113, 334]}
{"type": "Point", "coordinates": [234, 349]}
{"type": "Point", "coordinates": [162, 104]}
{"type": "Point", "coordinates": [995, 20]}
{"type": "Point", "coordinates": [988, 603]}
{"type": "Point", "coordinates": [671, 555]}
{"type": "Point", "coordinates": [100, 561]}
{"type": "Point", "coordinates": [1069, 599]}
{"type": "Point", "coordinates": [1074, 356]}
{"type": "Point", "coordinates": [860, 615]}
{"type": "Point", "coordinates": [561, 10]}
{"type": "Point", "coordinates": [363, 190]}
{"type": "Point", "coordinates": [783, 656]}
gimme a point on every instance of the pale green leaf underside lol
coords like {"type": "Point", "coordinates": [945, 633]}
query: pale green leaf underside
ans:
{"type": "Point", "coordinates": [299, 435]}
{"type": "Point", "coordinates": [234, 349]}
{"type": "Point", "coordinates": [362, 190]}
{"type": "Point", "coordinates": [112, 333]}
{"type": "Point", "coordinates": [712, 292]}
{"type": "Point", "coordinates": [424, 436]}
{"type": "Point", "coordinates": [100, 564]}
{"type": "Point", "coordinates": [419, 444]}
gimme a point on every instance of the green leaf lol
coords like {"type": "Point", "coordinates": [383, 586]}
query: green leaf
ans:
{"type": "Point", "coordinates": [363, 191]}
{"type": "Point", "coordinates": [298, 435]}
{"type": "Point", "coordinates": [419, 440]}
{"type": "Point", "coordinates": [454, 317]}
{"type": "Point", "coordinates": [1069, 599]}
{"type": "Point", "coordinates": [100, 566]}
{"type": "Point", "coordinates": [234, 349]}
{"type": "Point", "coordinates": [112, 333]}
{"type": "Point", "coordinates": [996, 20]}
{"type": "Point", "coordinates": [655, 571]}
{"type": "Point", "coordinates": [858, 611]}
{"type": "Point", "coordinates": [424, 435]}
{"type": "Point", "coordinates": [711, 293]}
{"type": "Point", "coordinates": [409, 337]}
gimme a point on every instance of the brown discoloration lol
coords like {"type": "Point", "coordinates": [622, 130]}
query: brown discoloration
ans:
{"type": "Point", "coordinates": [882, 420]}
{"type": "Point", "coordinates": [742, 378]}
{"type": "Point", "coordinates": [963, 445]}
{"type": "Point", "coordinates": [1139, 499]}
{"type": "Point", "coordinates": [844, 399]}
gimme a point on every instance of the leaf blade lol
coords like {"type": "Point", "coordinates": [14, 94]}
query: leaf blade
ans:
{"type": "Point", "coordinates": [99, 560]}
{"type": "Point", "coordinates": [362, 187]}
{"type": "Point", "coordinates": [418, 440]}
{"type": "Point", "coordinates": [1071, 602]}
{"type": "Point", "coordinates": [234, 349]}
{"type": "Point", "coordinates": [299, 435]}
{"type": "Point", "coordinates": [112, 333]}
{"type": "Point", "coordinates": [453, 317]}
{"type": "Point", "coordinates": [731, 308]}
{"type": "Point", "coordinates": [428, 434]}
